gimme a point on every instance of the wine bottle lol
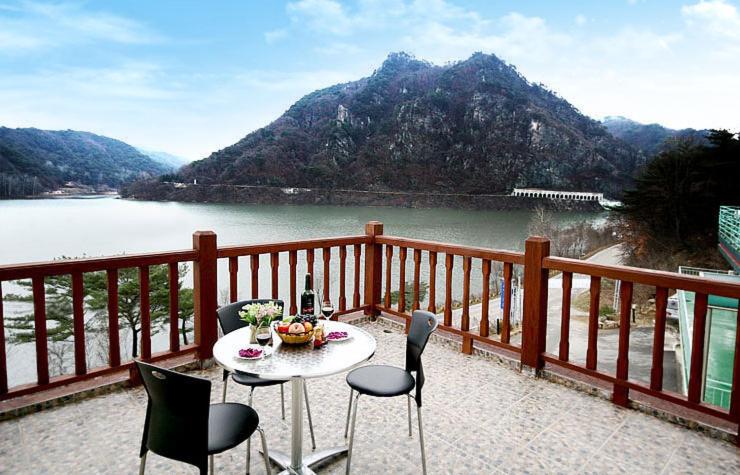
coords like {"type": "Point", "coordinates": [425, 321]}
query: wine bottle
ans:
{"type": "Point", "coordinates": [308, 297]}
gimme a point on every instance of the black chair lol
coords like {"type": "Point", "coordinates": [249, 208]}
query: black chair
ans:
{"type": "Point", "coordinates": [182, 425]}
{"type": "Point", "coordinates": [228, 318]}
{"type": "Point", "coordinates": [390, 381]}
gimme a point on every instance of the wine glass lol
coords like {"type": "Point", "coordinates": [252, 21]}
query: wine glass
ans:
{"type": "Point", "coordinates": [327, 309]}
{"type": "Point", "coordinates": [264, 335]}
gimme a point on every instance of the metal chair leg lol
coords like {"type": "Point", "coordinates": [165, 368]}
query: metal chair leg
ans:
{"type": "Point", "coordinates": [282, 399]}
{"type": "Point", "coordinates": [223, 396]}
{"type": "Point", "coordinates": [408, 399]}
{"type": "Point", "coordinates": [308, 412]}
{"type": "Point", "coordinates": [349, 410]}
{"type": "Point", "coordinates": [264, 451]}
{"type": "Point", "coordinates": [421, 442]}
{"type": "Point", "coordinates": [210, 463]}
{"type": "Point", "coordinates": [249, 440]}
{"type": "Point", "coordinates": [352, 434]}
{"type": "Point", "coordinates": [142, 464]}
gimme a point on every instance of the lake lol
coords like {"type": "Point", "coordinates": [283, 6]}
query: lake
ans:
{"type": "Point", "coordinates": [44, 229]}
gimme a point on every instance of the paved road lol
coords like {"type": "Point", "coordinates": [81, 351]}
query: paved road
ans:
{"type": "Point", "coordinates": [641, 338]}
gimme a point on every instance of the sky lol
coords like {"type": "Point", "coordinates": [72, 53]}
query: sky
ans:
{"type": "Point", "coordinates": [192, 77]}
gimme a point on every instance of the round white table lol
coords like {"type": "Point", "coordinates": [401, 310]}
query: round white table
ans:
{"type": "Point", "coordinates": [295, 363]}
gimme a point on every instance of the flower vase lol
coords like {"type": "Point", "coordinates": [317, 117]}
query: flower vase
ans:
{"type": "Point", "coordinates": [252, 334]}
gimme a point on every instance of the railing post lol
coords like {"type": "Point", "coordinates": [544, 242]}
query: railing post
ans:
{"type": "Point", "coordinates": [373, 267]}
{"type": "Point", "coordinates": [534, 325]}
{"type": "Point", "coordinates": [205, 293]}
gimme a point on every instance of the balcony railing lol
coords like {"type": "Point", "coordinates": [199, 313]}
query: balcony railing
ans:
{"type": "Point", "coordinates": [367, 287]}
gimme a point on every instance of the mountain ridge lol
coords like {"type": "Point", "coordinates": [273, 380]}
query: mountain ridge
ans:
{"type": "Point", "coordinates": [475, 126]}
{"type": "Point", "coordinates": [650, 139]}
{"type": "Point", "coordinates": [34, 160]}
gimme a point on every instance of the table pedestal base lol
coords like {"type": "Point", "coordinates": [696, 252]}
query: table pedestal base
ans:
{"type": "Point", "coordinates": [315, 459]}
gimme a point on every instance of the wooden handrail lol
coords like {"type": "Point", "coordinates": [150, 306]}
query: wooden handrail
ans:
{"type": "Point", "coordinates": [465, 251]}
{"type": "Point", "coordinates": [268, 248]}
{"type": "Point", "coordinates": [93, 264]}
{"type": "Point", "coordinates": [637, 275]}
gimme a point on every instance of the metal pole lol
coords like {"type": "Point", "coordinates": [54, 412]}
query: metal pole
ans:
{"type": "Point", "coordinates": [296, 414]}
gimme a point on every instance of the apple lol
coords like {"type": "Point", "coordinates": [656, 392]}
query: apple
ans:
{"type": "Point", "coordinates": [296, 328]}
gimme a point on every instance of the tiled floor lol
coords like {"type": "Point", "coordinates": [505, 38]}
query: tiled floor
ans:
{"type": "Point", "coordinates": [479, 416]}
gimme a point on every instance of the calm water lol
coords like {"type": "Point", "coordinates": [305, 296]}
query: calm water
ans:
{"type": "Point", "coordinates": [37, 230]}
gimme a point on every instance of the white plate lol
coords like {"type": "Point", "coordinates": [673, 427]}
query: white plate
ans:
{"type": "Point", "coordinates": [265, 352]}
{"type": "Point", "coordinates": [349, 335]}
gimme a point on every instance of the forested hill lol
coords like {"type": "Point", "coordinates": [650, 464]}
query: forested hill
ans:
{"type": "Point", "coordinates": [33, 160]}
{"type": "Point", "coordinates": [651, 139]}
{"type": "Point", "coordinates": [477, 126]}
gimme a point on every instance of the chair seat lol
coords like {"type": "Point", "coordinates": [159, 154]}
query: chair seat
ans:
{"type": "Point", "coordinates": [230, 424]}
{"type": "Point", "coordinates": [249, 380]}
{"type": "Point", "coordinates": [381, 381]}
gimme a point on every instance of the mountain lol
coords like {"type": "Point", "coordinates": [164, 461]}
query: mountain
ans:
{"type": "Point", "coordinates": [33, 160]}
{"type": "Point", "coordinates": [476, 126]}
{"type": "Point", "coordinates": [173, 162]}
{"type": "Point", "coordinates": [648, 138]}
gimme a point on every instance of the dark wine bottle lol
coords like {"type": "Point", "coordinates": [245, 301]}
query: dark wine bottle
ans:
{"type": "Point", "coordinates": [308, 297]}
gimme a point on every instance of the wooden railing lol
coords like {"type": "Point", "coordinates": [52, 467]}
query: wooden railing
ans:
{"type": "Point", "coordinates": [417, 249]}
{"type": "Point", "coordinates": [367, 287]}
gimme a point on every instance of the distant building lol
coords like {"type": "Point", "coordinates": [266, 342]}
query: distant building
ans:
{"type": "Point", "coordinates": [721, 321]}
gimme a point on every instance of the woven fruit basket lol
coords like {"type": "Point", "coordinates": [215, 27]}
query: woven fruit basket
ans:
{"type": "Point", "coordinates": [295, 338]}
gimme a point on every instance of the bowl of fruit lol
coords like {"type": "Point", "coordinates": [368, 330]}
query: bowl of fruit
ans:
{"type": "Point", "coordinates": [296, 330]}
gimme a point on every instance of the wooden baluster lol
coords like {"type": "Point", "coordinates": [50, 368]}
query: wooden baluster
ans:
{"type": "Point", "coordinates": [465, 319]}
{"type": "Point", "coordinates": [78, 316]}
{"type": "Point", "coordinates": [39, 321]}
{"type": "Point", "coordinates": [356, 290]}
{"type": "Point", "coordinates": [467, 344]}
{"type": "Point", "coordinates": [326, 254]}
{"type": "Point", "coordinates": [565, 317]}
{"type": "Point", "coordinates": [506, 317]}
{"type": "Point", "coordinates": [293, 262]}
{"type": "Point", "coordinates": [3, 362]}
{"type": "Point", "coordinates": [735, 392]}
{"type": "Point", "coordinates": [114, 349]}
{"type": "Point", "coordinates": [661, 305]}
{"type": "Point", "coordinates": [620, 396]}
{"type": "Point", "coordinates": [593, 323]}
{"type": "Point", "coordinates": [534, 321]}
{"type": "Point", "coordinates": [388, 261]}
{"type": "Point", "coordinates": [274, 267]}
{"type": "Point", "coordinates": [402, 280]}
{"type": "Point", "coordinates": [449, 263]}
{"type": "Point", "coordinates": [417, 271]}
{"type": "Point", "coordinates": [233, 274]}
{"type": "Point", "coordinates": [697, 348]}
{"type": "Point", "coordinates": [432, 282]}
{"type": "Point", "coordinates": [254, 266]}
{"type": "Point", "coordinates": [309, 264]}
{"type": "Point", "coordinates": [342, 278]}
{"type": "Point", "coordinates": [484, 329]}
{"type": "Point", "coordinates": [373, 269]}
{"type": "Point", "coordinates": [174, 287]}
{"type": "Point", "coordinates": [146, 320]}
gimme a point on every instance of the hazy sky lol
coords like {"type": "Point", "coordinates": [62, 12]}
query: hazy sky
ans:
{"type": "Point", "coordinates": [192, 77]}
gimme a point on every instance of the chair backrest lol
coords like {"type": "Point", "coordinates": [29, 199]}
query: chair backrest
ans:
{"type": "Point", "coordinates": [423, 323]}
{"type": "Point", "coordinates": [228, 315]}
{"type": "Point", "coordinates": [176, 424]}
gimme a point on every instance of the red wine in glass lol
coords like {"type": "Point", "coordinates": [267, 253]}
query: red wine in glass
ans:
{"type": "Point", "coordinates": [263, 337]}
{"type": "Point", "coordinates": [327, 309]}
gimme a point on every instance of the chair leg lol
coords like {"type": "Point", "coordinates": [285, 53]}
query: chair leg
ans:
{"type": "Point", "coordinates": [223, 396]}
{"type": "Point", "coordinates": [349, 411]}
{"type": "Point", "coordinates": [264, 452]}
{"type": "Point", "coordinates": [352, 434]}
{"type": "Point", "coordinates": [421, 442]}
{"type": "Point", "coordinates": [210, 463]}
{"type": "Point", "coordinates": [408, 399]}
{"type": "Point", "coordinates": [282, 399]}
{"type": "Point", "coordinates": [142, 464]}
{"type": "Point", "coordinates": [308, 412]}
{"type": "Point", "coordinates": [249, 440]}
